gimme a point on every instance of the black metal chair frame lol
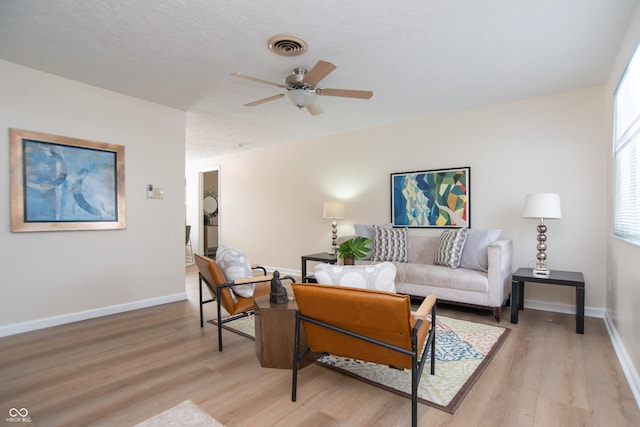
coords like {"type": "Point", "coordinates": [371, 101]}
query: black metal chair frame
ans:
{"type": "Point", "coordinates": [218, 290]}
{"type": "Point", "coordinates": [417, 360]}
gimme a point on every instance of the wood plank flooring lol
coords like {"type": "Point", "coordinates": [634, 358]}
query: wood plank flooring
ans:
{"type": "Point", "coordinates": [119, 370]}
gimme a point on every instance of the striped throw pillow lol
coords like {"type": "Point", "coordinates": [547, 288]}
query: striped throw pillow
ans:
{"type": "Point", "coordinates": [449, 251]}
{"type": "Point", "coordinates": [389, 244]}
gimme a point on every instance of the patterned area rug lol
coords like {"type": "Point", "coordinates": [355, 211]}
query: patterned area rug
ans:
{"type": "Point", "coordinates": [186, 414]}
{"type": "Point", "coordinates": [463, 350]}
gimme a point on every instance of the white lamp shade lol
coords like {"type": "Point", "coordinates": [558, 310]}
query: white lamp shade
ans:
{"type": "Point", "coordinates": [542, 205]}
{"type": "Point", "coordinates": [333, 210]}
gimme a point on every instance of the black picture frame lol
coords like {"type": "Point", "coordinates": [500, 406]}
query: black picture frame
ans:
{"type": "Point", "coordinates": [437, 198]}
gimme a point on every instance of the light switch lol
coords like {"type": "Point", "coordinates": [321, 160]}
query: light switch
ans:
{"type": "Point", "coordinates": [154, 192]}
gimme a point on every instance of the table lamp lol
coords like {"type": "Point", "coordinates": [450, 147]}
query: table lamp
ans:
{"type": "Point", "coordinates": [333, 210]}
{"type": "Point", "coordinates": [542, 206]}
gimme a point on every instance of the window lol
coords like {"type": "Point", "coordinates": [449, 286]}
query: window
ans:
{"type": "Point", "coordinates": [626, 153]}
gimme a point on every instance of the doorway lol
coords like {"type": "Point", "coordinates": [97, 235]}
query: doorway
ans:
{"type": "Point", "coordinates": [210, 212]}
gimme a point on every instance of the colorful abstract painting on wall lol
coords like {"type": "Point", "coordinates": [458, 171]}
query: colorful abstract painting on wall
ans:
{"type": "Point", "coordinates": [433, 198]}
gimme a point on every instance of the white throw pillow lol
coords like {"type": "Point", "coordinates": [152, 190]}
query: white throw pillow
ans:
{"type": "Point", "coordinates": [474, 254]}
{"type": "Point", "coordinates": [381, 277]}
{"type": "Point", "coordinates": [450, 247]}
{"type": "Point", "coordinates": [235, 265]}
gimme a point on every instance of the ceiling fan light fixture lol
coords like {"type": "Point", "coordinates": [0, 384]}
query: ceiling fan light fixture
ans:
{"type": "Point", "coordinates": [301, 98]}
{"type": "Point", "coordinates": [300, 88]}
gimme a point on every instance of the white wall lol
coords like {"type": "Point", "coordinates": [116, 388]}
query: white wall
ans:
{"type": "Point", "coordinates": [623, 258]}
{"type": "Point", "coordinates": [53, 277]}
{"type": "Point", "coordinates": [272, 198]}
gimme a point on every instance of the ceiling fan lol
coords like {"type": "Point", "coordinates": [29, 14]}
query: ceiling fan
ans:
{"type": "Point", "coordinates": [300, 88]}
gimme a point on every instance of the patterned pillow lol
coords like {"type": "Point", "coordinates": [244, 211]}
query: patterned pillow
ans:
{"type": "Point", "coordinates": [381, 277]}
{"type": "Point", "coordinates": [449, 251]}
{"type": "Point", "coordinates": [366, 230]}
{"type": "Point", "coordinates": [389, 244]}
{"type": "Point", "coordinates": [235, 265]}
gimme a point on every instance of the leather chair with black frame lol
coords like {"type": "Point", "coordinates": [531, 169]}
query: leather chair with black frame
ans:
{"type": "Point", "coordinates": [220, 289]}
{"type": "Point", "coordinates": [368, 325]}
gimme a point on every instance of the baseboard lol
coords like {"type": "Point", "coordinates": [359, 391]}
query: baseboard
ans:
{"type": "Point", "coordinates": [563, 308]}
{"type": "Point", "coordinates": [625, 361]}
{"type": "Point", "coordinates": [47, 322]}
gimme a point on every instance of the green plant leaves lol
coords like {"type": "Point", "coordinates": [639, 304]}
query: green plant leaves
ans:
{"type": "Point", "coordinates": [358, 247]}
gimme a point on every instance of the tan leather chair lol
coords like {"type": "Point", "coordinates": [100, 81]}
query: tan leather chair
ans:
{"type": "Point", "coordinates": [373, 326]}
{"type": "Point", "coordinates": [212, 276]}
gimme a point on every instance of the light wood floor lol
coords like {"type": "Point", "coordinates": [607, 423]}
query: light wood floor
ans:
{"type": "Point", "coordinates": [121, 369]}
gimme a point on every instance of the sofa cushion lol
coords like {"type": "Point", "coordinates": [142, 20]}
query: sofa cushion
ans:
{"type": "Point", "coordinates": [474, 254]}
{"type": "Point", "coordinates": [450, 247]}
{"type": "Point", "coordinates": [235, 265]}
{"type": "Point", "coordinates": [442, 277]}
{"type": "Point", "coordinates": [389, 244]}
{"type": "Point", "coordinates": [380, 277]}
{"type": "Point", "coordinates": [422, 249]}
{"type": "Point", "coordinates": [366, 230]}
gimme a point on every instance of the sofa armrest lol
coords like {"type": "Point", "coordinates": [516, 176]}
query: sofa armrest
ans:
{"type": "Point", "coordinates": [500, 255]}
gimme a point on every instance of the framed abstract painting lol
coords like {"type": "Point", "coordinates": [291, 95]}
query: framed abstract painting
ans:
{"type": "Point", "coordinates": [61, 183]}
{"type": "Point", "coordinates": [432, 198]}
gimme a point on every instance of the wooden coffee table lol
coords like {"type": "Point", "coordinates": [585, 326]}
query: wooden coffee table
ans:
{"type": "Point", "coordinates": [275, 334]}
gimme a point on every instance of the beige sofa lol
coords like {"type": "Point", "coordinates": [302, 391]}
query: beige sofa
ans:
{"type": "Point", "coordinates": [420, 277]}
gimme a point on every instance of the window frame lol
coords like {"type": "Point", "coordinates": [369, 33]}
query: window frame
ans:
{"type": "Point", "coordinates": [625, 219]}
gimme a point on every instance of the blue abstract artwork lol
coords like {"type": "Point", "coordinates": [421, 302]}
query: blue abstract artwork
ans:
{"type": "Point", "coordinates": [65, 183]}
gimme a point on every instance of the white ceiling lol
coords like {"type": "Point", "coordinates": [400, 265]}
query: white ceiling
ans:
{"type": "Point", "coordinates": [419, 57]}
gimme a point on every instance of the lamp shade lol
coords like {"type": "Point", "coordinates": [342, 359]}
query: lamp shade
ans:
{"type": "Point", "coordinates": [333, 210]}
{"type": "Point", "coordinates": [301, 98]}
{"type": "Point", "coordinates": [542, 205]}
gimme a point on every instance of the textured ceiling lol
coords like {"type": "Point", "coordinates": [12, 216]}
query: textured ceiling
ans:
{"type": "Point", "coordinates": [419, 57]}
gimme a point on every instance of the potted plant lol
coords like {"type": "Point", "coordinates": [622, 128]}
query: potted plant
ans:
{"type": "Point", "coordinates": [353, 249]}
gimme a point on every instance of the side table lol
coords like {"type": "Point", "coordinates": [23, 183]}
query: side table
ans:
{"type": "Point", "coordinates": [556, 277]}
{"type": "Point", "coordinates": [275, 334]}
{"type": "Point", "coordinates": [325, 257]}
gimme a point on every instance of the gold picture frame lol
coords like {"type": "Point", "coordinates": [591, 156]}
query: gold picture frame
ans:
{"type": "Point", "coordinates": [60, 183]}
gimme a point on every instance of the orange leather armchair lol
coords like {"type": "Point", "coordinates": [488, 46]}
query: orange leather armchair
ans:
{"type": "Point", "coordinates": [212, 276]}
{"type": "Point", "coordinates": [373, 326]}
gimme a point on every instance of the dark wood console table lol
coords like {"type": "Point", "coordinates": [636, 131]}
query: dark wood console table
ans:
{"type": "Point", "coordinates": [556, 277]}
{"type": "Point", "coordinates": [325, 257]}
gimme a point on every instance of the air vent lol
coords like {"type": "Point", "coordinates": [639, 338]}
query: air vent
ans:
{"type": "Point", "coordinates": [284, 45]}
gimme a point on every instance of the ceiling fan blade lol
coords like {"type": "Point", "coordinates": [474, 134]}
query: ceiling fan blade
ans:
{"type": "Point", "coordinates": [318, 72]}
{"type": "Point", "coordinates": [314, 109]}
{"type": "Point", "coordinates": [255, 79]}
{"type": "Point", "coordinates": [263, 100]}
{"type": "Point", "coordinates": [347, 93]}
